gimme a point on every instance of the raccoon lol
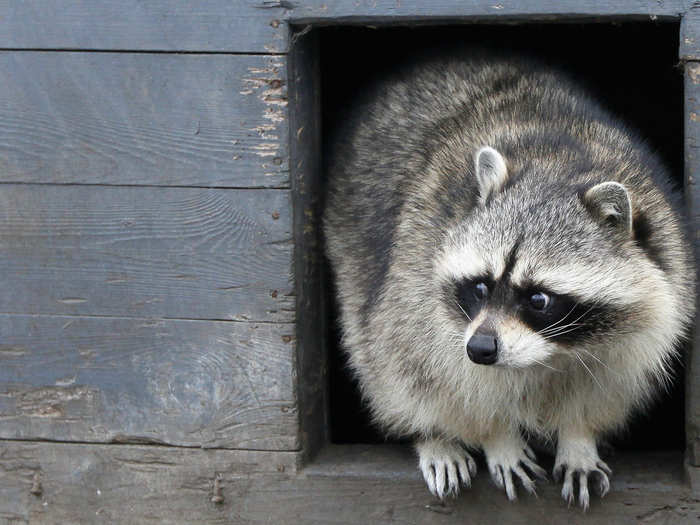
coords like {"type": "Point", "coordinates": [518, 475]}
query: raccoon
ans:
{"type": "Point", "coordinates": [509, 261]}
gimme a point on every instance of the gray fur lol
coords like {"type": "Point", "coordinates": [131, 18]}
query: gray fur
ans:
{"type": "Point", "coordinates": [565, 199]}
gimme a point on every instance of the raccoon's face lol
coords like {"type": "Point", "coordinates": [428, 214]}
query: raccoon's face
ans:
{"type": "Point", "coordinates": [512, 314]}
{"type": "Point", "coordinates": [538, 272]}
{"type": "Point", "coordinates": [507, 315]}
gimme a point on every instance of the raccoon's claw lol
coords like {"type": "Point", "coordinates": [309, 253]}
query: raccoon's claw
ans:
{"type": "Point", "coordinates": [597, 476]}
{"type": "Point", "coordinates": [508, 459]}
{"type": "Point", "coordinates": [445, 467]}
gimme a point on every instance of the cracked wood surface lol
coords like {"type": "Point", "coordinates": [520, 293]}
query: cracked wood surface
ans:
{"type": "Point", "coordinates": [44, 483]}
{"type": "Point", "coordinates": [185, 383]}
{"type": "Point", "coordinates": [143, 119]}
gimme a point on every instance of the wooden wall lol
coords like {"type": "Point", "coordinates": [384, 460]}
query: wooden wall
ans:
{"type": "Point", "coordinates": [146, 244]}
{"type": "Point", "coordinates": [159, 351]}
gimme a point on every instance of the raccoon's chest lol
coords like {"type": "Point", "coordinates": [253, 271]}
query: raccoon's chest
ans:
{"type": "Point", "coordinates": [540, 403]}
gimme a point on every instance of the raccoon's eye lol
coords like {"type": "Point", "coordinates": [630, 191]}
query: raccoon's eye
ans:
{"type": "Point", "coordinates": [481, 291]}
{"type": "Point", "coordinates": [539, 301]}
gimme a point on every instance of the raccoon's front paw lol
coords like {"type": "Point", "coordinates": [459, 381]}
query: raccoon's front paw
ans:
{"type": "Point", "coordinates": [507, 456]}
{"type": "Point", "coordinates": [579, 463]}
{"type": "Point", "coordinates": [445, 466]}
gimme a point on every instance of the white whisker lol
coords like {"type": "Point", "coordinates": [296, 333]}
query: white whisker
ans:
{"type": "Point", "coordinates": [588, 370]}
{"type": "Point", "coordinates": [465, 313]}
{"type": "Point", "coordinates": [559, 321]}
{"type": "Point", "coordinates": [601, 362]}
{"type": "Point", "coordinates": [547, 366]}
{"type": "Point", "coordinates": [557, 334]}
{"type": "Point", "coordinates": [562, 327]}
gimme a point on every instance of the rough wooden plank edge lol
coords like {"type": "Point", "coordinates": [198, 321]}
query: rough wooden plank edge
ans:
{"type": "Point", "coordinates": [692, 195]}
{"type": "Point", "coordinates": [46, 483]}
{"type": "Point", "coordinates": [305, 165]}
{"type": "Point", "coordinates": [418, 11]}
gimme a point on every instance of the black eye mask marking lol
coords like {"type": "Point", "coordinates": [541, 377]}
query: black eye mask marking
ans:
{"type": "Point", "coordinates": [555, 317]}
{"type": "Point", "coordinates": [470, 295]}
{"type": "Point", "coordinates": [562, 318]}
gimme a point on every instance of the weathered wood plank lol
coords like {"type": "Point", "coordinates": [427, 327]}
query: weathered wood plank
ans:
{"type": "Point", "coordinates": [689, 48]}
{"type": "Point", "coordinates": [146, 252]}
{"type": "Point", "coordinates": [143, 119]}
{"type": "Point", "coordinates": [158, 482]}
{"type": "Point", "coordinates": [244, 26]}
{"type": "Point", "coordinates": [307, 188]}
{"type": "Point", "coordinates": [188, 383]}
{"type": "Point", "coordinates": [391, 11]}
{"type": "Point", "coordinates": [692, 195]}
{"type": "Point", "coordinates": [257, 26]}
{"type": "Point", "coordinates": [54, 483]}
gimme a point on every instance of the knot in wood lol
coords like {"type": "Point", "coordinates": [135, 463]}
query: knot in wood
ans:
{"type": "Point", "coordinates": [36, 489]}
{"type": "Point", "coordinates": [217, 492]}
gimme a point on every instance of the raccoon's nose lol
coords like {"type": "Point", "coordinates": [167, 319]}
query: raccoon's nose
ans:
{"type": "Point", "coordinates": [482, 349]}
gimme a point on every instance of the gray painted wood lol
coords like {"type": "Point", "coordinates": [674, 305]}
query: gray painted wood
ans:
{"type": "Point", "coordinates": [146, 252]}
{"type": "Point", "coordinates": [56, 483]}
{"type": "Point", "coordinates": [259, 26]}
{"type": "Point", "coordinates": [187, 383]}
{"type": "Point", "coordinates": [246, 26]}
{"type": "Point", "coordinates": [307, 187]}
{"type": "Point", "coordinates": [143, 119]}
{"type": "Point", "coordinates": [391, 11]}
{"type": "Point", "coordinates": [692, 194]}
{"type": "Point", "coordinates": [689, 48]}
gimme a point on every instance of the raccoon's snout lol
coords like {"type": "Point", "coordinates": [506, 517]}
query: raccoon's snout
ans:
{"type": "Point", "coordinates": [482, 349]}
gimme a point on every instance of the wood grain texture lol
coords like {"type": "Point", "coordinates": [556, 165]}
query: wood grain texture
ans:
{"type": "Point", "coordinates": [307, 189]}
{"type": "Point", "coordinates": [146, 252]}
{"type": "Point", "coordinates": [143, 119]}
{"type": "Point", "coordinates": [244, 26]}
{"type": "Point", "coordinates": [259, 26]}
{"type": "Point", "coordinates": [108, 484]}
{"type": "Point", "coordinates": [689, 48]}
{"type": "Point", "coordinates": [124, 484]}
{"type": "Point", "coordinates": [692, 195]}
{"type": "Point", "coordinates": [186, 383]}
{"type": "Point", "coordinates": [391, 11]}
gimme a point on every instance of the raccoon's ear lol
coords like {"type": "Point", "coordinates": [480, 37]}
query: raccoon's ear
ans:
{"type": "Point", "coordinates": [491, 172]}
{"type": "Point", "coordinates": [610, 203]}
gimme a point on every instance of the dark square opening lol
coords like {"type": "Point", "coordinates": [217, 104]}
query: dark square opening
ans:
{"type": "Point", "coordinates": [633, 68]}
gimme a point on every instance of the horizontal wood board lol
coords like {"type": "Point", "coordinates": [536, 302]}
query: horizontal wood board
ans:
{"type": "Point", "coordinates": [692, 194]}
{"type": "Point", "coordinates": [391, 11]}
{"type": "Point", "coordinates": [186, 383]}
{"type": "Point", "coordinates": [56, 483]}
{"type": "Point", "coordinates": [143, 119]}
{"type": "Point", "coordinates": [244, 26]}
{"type": "Point", "coordinates": [260, 26]}
{"type": "Point", "coordinates": [146, 252]}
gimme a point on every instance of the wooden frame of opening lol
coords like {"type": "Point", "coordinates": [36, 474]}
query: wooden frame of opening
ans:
{"type": "Point", "coordinates": [380, 462]}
